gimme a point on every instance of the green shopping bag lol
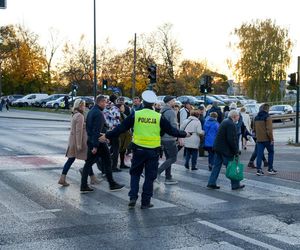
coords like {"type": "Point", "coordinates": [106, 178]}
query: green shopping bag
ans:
{"type": "Point", "coordinates": [235, 170]}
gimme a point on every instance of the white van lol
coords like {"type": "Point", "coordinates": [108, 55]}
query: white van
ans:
{"type": "Point", "coordinates": [28, 100]}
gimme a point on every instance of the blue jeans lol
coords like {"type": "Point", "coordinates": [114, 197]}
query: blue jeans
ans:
{"type": "Point", "coordinates": [68, 165]}
{"type": "Point", "coordinates": [254, 155]}
{"type": "Point", "coordinates": [148, 159]}
{"type": "Point", "coordinates": [191, 152]}
{"type": "Point", "coordinates": [260, 152]}
{"type": "Point", "coordinates": [220, 159]}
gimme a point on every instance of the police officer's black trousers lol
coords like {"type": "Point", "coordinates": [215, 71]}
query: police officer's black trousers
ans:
{"type": "Point", "coordinates": [103, 152]}
{"type": "Point", "coordinates": [148, 159]}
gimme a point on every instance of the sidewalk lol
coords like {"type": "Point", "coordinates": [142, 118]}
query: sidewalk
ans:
{"type": "Point", "coordinates": [35, 115]}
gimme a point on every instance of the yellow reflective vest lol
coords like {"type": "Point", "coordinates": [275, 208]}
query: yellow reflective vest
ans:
{"type": "Point", "coordinates": [146, 127]}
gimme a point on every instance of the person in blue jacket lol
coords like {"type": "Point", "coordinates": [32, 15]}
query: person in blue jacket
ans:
{"type": "Point", "coordinates": [211, 127]}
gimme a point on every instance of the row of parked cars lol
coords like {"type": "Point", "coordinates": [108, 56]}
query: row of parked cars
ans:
{"type": "Point", "coordinates": [221, 100]}
{"type": "Point", "coordinates": [46, 101]}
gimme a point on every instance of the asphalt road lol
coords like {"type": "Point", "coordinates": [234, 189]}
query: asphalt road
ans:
{"type": "Point", "coordinates": [35, 213]}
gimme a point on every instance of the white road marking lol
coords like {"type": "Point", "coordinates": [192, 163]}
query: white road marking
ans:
{"type": "Point", "coordinates": [222, 245]}
{"type": "Point", "coordinates": [237, 235]}
{"type": "Point", "coordinates": [8, 149]}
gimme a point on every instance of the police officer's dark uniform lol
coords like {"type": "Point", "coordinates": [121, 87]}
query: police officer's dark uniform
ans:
{"type": "Point", "coordinates": [148, 127]}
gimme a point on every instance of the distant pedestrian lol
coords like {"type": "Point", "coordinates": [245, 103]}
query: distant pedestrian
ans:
{"type": "Point", "coordinates": [225, 148]}
{"type": "Point", "coordinates": [1, 104]}
{"type": "Point", "coordinates": [211, 127]}
{"type": "Point", "coordinates": [77, 147]}
{"type": "Point", "coordinates": [66, 101]}
{"type": "Point", "coordinates": [193, 126]}
{"type": "Point", "coordinates": [6, 104]}
{"type": "Point", "coordinates": [263, 129]}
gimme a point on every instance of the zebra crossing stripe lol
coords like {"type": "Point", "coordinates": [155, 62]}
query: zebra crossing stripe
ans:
{"type": "Point", "coordinates": [237, 235]}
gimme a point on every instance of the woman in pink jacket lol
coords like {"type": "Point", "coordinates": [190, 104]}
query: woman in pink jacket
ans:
{"type": "Point", "coordinates": [77, 147]}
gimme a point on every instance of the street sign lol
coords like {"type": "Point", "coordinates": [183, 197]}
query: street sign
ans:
{"type": "Point", "coordinates": [230, 91]}
{"type": "Point", "coordinates": [2, 4]}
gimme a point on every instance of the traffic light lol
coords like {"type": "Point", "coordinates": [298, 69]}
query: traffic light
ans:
{"type": "Point", "coordinates": [152, 73]}
{"type": "Point", "coordinates": [2, 4]}
{"type": "Point", "coordinates": [74, 87]}
{"type": "Point", "coordinates": [104, 84]}
{"type": "Point", "coordinates": [293, 79]}
{"type": "Point", "coordinates": [205, 84]}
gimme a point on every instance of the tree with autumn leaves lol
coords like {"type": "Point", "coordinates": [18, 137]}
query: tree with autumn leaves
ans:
{"type": "Point", "coordinates": [264, 54]}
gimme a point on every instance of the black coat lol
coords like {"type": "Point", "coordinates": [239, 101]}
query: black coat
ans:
{"type": "Point", "coordinates": [226, 141]}
{"type": "Point", "coordinates": [95, 123]}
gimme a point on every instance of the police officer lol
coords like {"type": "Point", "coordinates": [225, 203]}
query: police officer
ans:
{"type": "Point", "coordinates": [148, 127]}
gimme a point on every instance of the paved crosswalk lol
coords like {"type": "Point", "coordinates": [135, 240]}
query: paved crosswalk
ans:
{"type": "Point", "coordinates": [189, 196]}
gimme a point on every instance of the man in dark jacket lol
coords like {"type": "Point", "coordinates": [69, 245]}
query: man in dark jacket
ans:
{"type": "Point", "coordinates": [264, 139]}
{"type": "Point", "coordinates": [225, 147]}
{"type": "Point", "coordinates": [94, 125]}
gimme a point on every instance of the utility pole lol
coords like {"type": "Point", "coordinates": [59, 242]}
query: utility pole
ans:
{"type": "Point", "coordinates": [297, 103]}
{"type": "Point", "coordinates": [95, 55]}
{"type": "Point", "coordinates": [0, 78]}
{"type": "Point", "coordinates": [134, 68]}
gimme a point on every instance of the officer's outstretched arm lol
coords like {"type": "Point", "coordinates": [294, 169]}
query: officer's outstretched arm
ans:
{"type": "Point", "coordinates": [123, 127]}
{"type": "Point", "coordinates": [166, 127]}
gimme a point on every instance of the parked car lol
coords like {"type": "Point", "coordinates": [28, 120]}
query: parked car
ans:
{"type": "Point", "coordinates": [281, 110]}
{"type": "Point", "coordinates": [42, 102]}
{"type": "Point", "coordinates": [161, 97]}
{"type": "Point", "coordinates": [54, 103]}
{"type": "Point", "coordinates": [243, 99]}
{"type": "Point", "coordinates": [12, 98]}
{"type": "Point", "coordinates": [193, 100]}
{"type": "Point", "coordinates": [210, 100]}
{"type": "Point", "coordinates": [28, 100]}
{"type": "Point", "coordinates": [89, 101]}
{"type": "Point", "coordinates": [225, 99]}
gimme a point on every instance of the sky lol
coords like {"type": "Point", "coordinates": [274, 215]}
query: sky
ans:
{"type": "Point", "coordinates": [202, 28]}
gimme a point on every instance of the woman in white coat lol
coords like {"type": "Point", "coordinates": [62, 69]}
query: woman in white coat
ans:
{"type": "Point", "coordinates": [193, 126]}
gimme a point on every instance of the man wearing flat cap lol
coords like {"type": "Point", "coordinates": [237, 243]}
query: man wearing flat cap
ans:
{"type": "Point", "coordinates": [148, 126]}
{"type": "Point", "coordinates": [169, 142]}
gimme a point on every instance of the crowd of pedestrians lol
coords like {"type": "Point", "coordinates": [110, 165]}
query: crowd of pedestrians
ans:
{"type": "Point", "coordinates": [111, 130]}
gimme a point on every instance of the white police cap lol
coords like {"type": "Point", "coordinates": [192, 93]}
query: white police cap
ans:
{"type": "Point", "coordinates": [149, 96]}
